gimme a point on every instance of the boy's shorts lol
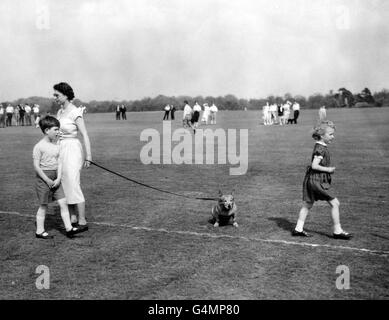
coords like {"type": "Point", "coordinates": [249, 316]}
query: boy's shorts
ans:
{"type": "Point", "coordinates": [43, 191]}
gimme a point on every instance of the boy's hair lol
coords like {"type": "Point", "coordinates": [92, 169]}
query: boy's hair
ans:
{"type": "Point", "coordinates": [321, 127]}
{"type": "Point", "coordinates": [48, 122]}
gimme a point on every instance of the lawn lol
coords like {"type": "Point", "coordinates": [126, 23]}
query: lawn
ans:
{"type": "Point", "coordinates": [144, 244]}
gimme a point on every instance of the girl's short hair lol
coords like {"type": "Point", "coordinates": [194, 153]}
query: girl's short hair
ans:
{"type": "Point", "coordinates": [320, 129]}
{"type": "Point", "coordinates": [65, 89]}
{"type": "Point", "coordinates": [48, 122]}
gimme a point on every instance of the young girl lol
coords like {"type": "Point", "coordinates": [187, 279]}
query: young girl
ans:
{"type": "Point", "coordinates": [317, 182]}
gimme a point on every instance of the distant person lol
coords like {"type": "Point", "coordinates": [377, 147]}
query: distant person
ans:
{"type": "Point", "coordinates": [296, 111]}
{"type": "Point", "coordinates": [123, 110]}
{"type": "Point", "coordinates": [167, 111]}
{"type": "Point", "coordinates": [172, 111]}
{"type": "Point", "coordinates": [187, 115]}
{"type": "Point", "coordinates": [317, 182]}
{"type": "Point", "coordinates": [117, 112]}
{"type": "Point", "coordinates": [2, 116]}
{"type": "Point", "coordinates": [48, 178]}
{"type": "Point", "coordinates": [9, 113]}
{"type": "Point", "coordinates": [196, 115]}
{"type": "Point", "coordinates": [28, 114]}
{"type": "Point", "coordinates": [266, 114]}
{"type": "Point", "coordinates": [72, 158]}
{"type": "Point", "coordinates": [38, 118]}
{"type": "Point", "coordinates": [280, 110]}
{"type": "Point", "coordinates": [213, 111]}
{"type": "Point", "coordinates": [273, 113]}
{"type": "Point", "coordinates": [22, 112]}
{"type": "Point", "coordinates": [322, 113]}
{"type": "Point", "coordinates": [205, 116]}
{"type": "Point", "coordinates": [17, 115]}
{"type": "Point", "coordinates": [286, 114]}
{"type": "Point", "coordinates": [35, 110]}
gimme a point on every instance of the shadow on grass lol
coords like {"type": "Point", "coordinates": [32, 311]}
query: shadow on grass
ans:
{"type": "Point", "coordinates": [379, 236]}
{"type": "Point", "coordinates": [286, 225]}
{"type": "Point", "coordinates": [53, 221]}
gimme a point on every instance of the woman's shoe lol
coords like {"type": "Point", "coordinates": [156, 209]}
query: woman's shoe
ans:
{"type": "Point", "coordinates": [72, 232]}
{"type": "Point", "coordinates": [343, 236]}
{"type": "Point", "coordinates": [296, 233]}
{"type": "Point", "coordinates": [43, 235]}
{"type": "Point", "coordinates": [82, 227]}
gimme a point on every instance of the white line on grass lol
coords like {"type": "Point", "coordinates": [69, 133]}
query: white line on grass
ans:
{"type": "Point", "coordinates": [219, 236]}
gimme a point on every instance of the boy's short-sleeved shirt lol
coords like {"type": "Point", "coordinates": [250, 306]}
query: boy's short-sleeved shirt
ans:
{"type": "Point", "coordinates": [47, 153]}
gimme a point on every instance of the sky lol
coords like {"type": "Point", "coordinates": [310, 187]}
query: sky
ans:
{"type": "Point", "coordinates": [127, 50]}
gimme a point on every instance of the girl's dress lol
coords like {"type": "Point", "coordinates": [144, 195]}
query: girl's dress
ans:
{"type": "Point", "coordinates": [71, 155]}
{"type": "Point", "coordinates": [316, 185]}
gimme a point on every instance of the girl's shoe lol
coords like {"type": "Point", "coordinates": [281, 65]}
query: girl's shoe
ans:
{"type": "Point", "coordinates": [343, 236]}
{"type": "Point", "coordinates": [43, 235]}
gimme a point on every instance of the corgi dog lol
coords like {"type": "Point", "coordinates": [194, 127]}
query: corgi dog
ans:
{"type": "Point", "coordinates": [225, 211]}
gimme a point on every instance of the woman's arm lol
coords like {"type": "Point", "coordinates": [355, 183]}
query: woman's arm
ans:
{"type": "Point", "coordinates": [81, 127]}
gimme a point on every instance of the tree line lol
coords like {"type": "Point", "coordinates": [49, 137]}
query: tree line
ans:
{"type": "Point", "coordinates": [340, 99]}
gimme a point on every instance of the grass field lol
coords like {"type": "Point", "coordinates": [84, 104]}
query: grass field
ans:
{"type": "Point", "coordinates": [143, 244]}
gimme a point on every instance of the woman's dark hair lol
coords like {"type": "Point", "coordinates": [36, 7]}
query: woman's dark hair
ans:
{"type": "Point", "coordinates": [65, 89]}
{"type": "Point", "coordinates": [48, 122]}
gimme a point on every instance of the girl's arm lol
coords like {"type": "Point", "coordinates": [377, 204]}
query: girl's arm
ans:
{"type": "Point", "coordinates": [316, 166]}
{"type": "Point", "coordinates": [81, 127]}
{"type": "Point", "coordinates": [41, 174]}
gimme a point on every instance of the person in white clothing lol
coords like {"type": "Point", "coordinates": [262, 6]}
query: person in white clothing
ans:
{"type": "Point", "coordinates": [204, 118]}
{"type": "Point", "coordinates": [213, 110]}
{"type": "Point", "coordinates": [273, 113]}
{"type": "Point", "coordinates": [266, 114]}
{"type": "Point", "coordinates": [286, 114]}
{"type": "Point", "coordinates": [322, 113]}
{"type": "Point", "coordinates": [296, 111]}
{"type": "Point", "coordinates": [196, 115]}
{"type": "Point", "coordinates": [9, 112]}
{"type": "Point", "coordinates": [71, 152]}
{"type": "Point", "coordinates": [28, 114]}
{"type": "Point", "coordinates": [187, 115]}
{"type": "Point", "coordinates": [35, 110]}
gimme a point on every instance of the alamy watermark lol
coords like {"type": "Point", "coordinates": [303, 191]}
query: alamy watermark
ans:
{"type": "Point", "coordinates": [183, 153]}
{"type": "Point", "coordinates": [43, 280]}
{"type": "Point", "coordinates": [343, 281]}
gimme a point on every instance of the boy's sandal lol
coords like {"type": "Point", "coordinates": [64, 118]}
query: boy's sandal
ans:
{"type": "Point", "coordinates": [43, 235]}
{"type": "Point", "coordinates": [343, 236]}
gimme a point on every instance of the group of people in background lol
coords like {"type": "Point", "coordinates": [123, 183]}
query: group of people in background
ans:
{"type": "Point", "coordinates": [191, 116]}
{"type": "Point", "coordinates": [282, 114]}
{"type": "Point", "coordinates": [121, 111]}
{"type": "Point", "coordinates": [169, 109]}
{"type": "Point", "coordinates": [21, 115]}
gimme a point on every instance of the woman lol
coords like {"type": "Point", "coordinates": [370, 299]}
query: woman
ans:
{"type": "Point", "coordinates": [71, 153]}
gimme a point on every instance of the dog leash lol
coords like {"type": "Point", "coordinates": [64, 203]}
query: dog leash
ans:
{"type": "Point", "coordinates": [148, 186]}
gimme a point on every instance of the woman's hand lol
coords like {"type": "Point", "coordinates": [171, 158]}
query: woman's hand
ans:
{"type": "Point", "coordinates": [87, 162]}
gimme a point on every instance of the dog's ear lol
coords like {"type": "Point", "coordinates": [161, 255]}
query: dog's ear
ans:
{"type": "Point", "coordinates": [233, 192]}
{"type": "Point", "coordinates": [220, 193]}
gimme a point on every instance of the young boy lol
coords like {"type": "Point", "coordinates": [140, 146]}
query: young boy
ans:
{"type": "Point", "coordinates": [48, 178]}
